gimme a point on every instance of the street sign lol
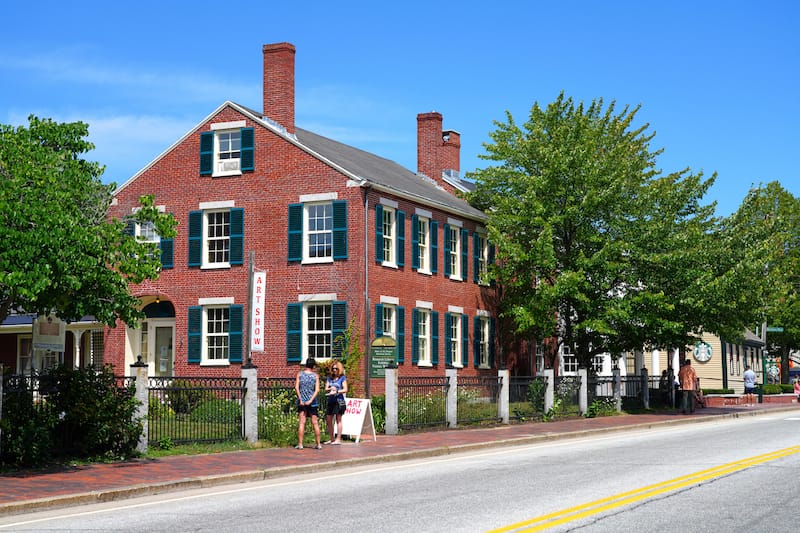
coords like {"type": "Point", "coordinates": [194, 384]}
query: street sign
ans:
{"type": "Point", "coordinates": [774, 329]}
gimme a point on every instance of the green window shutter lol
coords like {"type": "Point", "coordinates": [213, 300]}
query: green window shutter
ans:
{"type": "Point", "coordinates": [295, 232]}
{"type": "Point", "coordinates": [465, 340]}
{"type": "Point", "coordinates": [339, 229]}
{"type": "Point", "coordinates": [491, 342]}
{"type": "Point", "coordinates": [401, 333]}
{"type": "Point", "coordinates": [294, 332]}
{"type": "Point", "coordinates": [401, 238]}
{"type": "Point", "coordinates": [446, 257]}
{"type": "Point", "coordinates": [448, 340]}
{"type": "Point", "coordinates": [195, 238]}
{"type": "Point", "coordinates": [476, 256]}
{"type": "Point", "coordinates": [434, 227]}
{"type": "Point", "coordinates": [167, 247]}
{"type": "Point", "coordinates": [248, 156]}
{"type": "Point", "coordinates": [378, 320]}
{"type": "Point", "coordinates": [130, 227]}
{"type": "Point", "coordinates": [491, 257]}
{"type": "Point", "coordinates": [207, 153]}
{"type": "Point", "coordinates": [194, 342]}
{"type": "Point", "coordinates": [338, 327]}
{"type": "Point", "coordinates": [235, 337]}
{"type": "Point", "coordinates": [378, 233]}
{"type": "Point", "coordinates": [464, 253]}
{"type": "Point", "coordinates": [476, 345]}
{"type": "Point", "coordinates": [435, 337]}
{"type": "Point", "coordinates": [415, 336]}
{"type": "Point", "coordinates": [415, 242]}
{"type": "Point", "coordinates": [237, 236]}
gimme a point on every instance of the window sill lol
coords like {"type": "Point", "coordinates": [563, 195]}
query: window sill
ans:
{"type": "Point", "coordinates": [215, 363]}
{"type": "Point", "coordinates": [317, 261]}
{"type": "Point", "coordinates": [389, 264]}
{"type": "Point", "coordinates": [425, 364]}
{"type": "Point", "coordinates": [226, 174]}
{"type": "Point", "coordinates": [215, 266]}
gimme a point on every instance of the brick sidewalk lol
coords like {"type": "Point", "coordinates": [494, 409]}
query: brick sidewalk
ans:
{"type": "Point", "coordinates": [27, 492]}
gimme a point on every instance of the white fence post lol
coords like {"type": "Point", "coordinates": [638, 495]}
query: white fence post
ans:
{"type": "Point", "coordinates": [583, 393]}
{"type": "Point", "coordinates": [549, 390]}
{"type": "Point", "coordinates": [139, 371]}
{"type": "Point", "coordinates": [645, 389]}
{"type": "Point", "coordinates": [617, 389]}
{"type": "Point", "coordinates": [250, 403]}
{"type": "Point", "coordinates": [504, 376]}
{"type": "Point", "coordinates": [452, 397]}
{"type": "Point", "coordinates": [391, 384]}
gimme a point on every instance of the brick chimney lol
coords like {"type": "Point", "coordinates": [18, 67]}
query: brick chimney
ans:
{"type": "Point", "coordinates": [437, 150]}
{"type": "Point", "coordinates": [279, 84]}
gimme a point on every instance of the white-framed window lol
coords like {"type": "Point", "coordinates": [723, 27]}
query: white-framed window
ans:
{"type": "Point", "coordinates": [318, 318]}
{"type": "Point", "coordinates": [228, 152]}
{"type": "Point", "coordinates": [217, 242]}
{"type": "Point", "coordinates": [318, 232]}
{"type": "Point", "coordinates": [389, 320]}
{"type": "Point", "coordinates": [455, 339]}
{"type": "Point", "coordinates": [569, 359]}
{"type": "Point", "coordinates": [216, 327]}
{"type": "Point", "coordinates": [388, 232]}
{"type": "Point", "coordinates": [423, 236]}
{"type": "Point", "coordinates": [539, 357]}
{"type": "Point", "coordinates": [484, 339]}
{"type": "Point", "coordinates": [453, 248]}
{"type": "Point", "coordinates": [424, 333]}
{"type": "Point", "coordinates": [482, 258]}
{"type": "Point", "coordinates": [598, 363]}
{"type": "Point", "coordinates": [146, 232]}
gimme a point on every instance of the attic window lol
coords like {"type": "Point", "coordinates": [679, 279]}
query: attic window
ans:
{"type": "Point", "coordinates": [226, 151]}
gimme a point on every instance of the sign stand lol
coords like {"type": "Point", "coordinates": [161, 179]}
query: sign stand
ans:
{"type": "Point", "coordinates": [355, 421]}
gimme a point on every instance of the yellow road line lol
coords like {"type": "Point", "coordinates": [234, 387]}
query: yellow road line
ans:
{"type": "Point", "coordinates": [625, 498]}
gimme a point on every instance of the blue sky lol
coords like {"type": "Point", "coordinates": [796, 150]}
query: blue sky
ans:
{"type": "Point", "coordinates": [717, 81]}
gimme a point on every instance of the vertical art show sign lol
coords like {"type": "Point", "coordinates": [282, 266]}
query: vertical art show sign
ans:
{"type": "Point", "coordinates": [257, 315]}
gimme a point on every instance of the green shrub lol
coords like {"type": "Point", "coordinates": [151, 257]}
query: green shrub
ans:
{"type": "Point", "coordinates": [159, 409]}
{"type": "Point", "coordinates": [80, 414]}
{"type": "Point", "coordinates": [536, 391]}
{"type": "Point", "coordinates": [379, 412]}
{"type": "Point", "coordinates": [772, 388]}
{"type": "Point", "coordinates": [601, 407]}
{"type": "Point", "coordinates": [183, 396]}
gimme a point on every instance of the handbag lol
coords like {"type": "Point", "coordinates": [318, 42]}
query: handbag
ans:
{"type": "Point", "coordinates": [342, 403]}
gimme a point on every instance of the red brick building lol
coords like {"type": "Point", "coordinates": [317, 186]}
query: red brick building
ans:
{"type": "Point", "coordinates": [343, 235]}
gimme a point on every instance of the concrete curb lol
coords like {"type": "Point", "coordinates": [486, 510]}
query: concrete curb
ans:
{"type": "Point", "coordinates": [203, 482]}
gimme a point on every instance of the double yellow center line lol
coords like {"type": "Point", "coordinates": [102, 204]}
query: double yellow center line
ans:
{"type": "Point", "coordinates": [626, 498]}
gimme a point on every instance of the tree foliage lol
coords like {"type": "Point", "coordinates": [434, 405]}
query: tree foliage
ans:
{"type": "Point", "coordinates": [595, 246]}
{"type": "Point", "coordinates": [59, 252]}
{"type": "Point", "coordinates": [767, 225]}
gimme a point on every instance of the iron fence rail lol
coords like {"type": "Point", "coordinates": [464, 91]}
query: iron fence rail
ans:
{"type": "Point", "coordinates": [277, 405]}
{"type": "Point", "coordinates": [526, 397]}
{"type": "Point", "coordinates": [422, 401]}
{"type": "Point", "coordinates": [195, 409]}
{"type": "Point", "coordinates": [477, 398]}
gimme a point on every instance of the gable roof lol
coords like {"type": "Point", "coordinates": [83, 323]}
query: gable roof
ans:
{"type": "Point", "coordinates": [368, 170]}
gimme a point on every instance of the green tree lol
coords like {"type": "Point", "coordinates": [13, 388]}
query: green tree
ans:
{"type": "Point", "coordinates": [595, 246]}
{"type": "Point", "coordinates": [766, 227]}
{"type": "Point", "coordinates": [59, 251]}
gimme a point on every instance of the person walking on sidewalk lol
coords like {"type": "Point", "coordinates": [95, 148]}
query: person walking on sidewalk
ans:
{"type": "Point", "coordinates": [749, 386]}
{"type": "Point", "coordinates": [335, 387]}
{"type": "Point", "coordinates": [306, 385]}
{"type": "Point", "coordinates": [688, 379]}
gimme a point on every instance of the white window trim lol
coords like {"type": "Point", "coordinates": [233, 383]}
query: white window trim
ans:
{"type": "Point", "coordinates": [483, 254]}
{"type": "Point", "coordinates": [392, 261]}
{"type": "Point", "coordinates": [205, 264]}
{"type": "Point", "coordinates": [308, 260]}
{"type": "Point", "coordinates": [455, 359]}
{"type": "Point", "coordinates": [226, 127]}
{"type": "Point", "coordinates": [426, 269]}
{"type": "Point", "coordinates": [305, 331]}
{"type": "Point", "coordinates": [204, 360]}
{"type": "Point", "coordinates": [428, 361]}
{"type": "Point", "coordinates": [484, 328]}
{"type": "Point", "coordinates": [455, 270]}
{"type": "Point", "coordinates": [392, 332]}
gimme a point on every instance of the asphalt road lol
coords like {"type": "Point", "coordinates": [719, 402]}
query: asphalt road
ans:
{"type": "Point", "coordinates": [727, 475]}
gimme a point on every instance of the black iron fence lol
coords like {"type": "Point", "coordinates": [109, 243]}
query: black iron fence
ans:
{"type": "Point", "coordinates": [526, 397]}
{"type": "Point", "coordinates": [277, 407]}
{"type": "Point", "coordinates": [195, 409]}
{"type": "Point", "coordinates": [422, 401]}
{"type": "Point", "coordinates": [477, 398]}
{"type": "Point", "coordinates": [567, 395]}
